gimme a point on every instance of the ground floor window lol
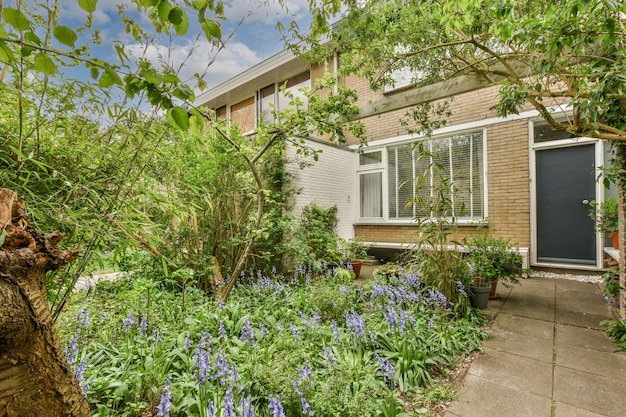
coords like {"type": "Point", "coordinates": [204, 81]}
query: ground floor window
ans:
{"type": "Point", "coordinates": [412, 176]}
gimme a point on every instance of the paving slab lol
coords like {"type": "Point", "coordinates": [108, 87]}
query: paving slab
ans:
{"type": "Point", "coordinates": [538, 286]}
{"type": "Point", "coordinates": [524, 326]}
{"type": "Point", "coordinates": [514, 371]}
{"type": "Point", "coordinates": [541, 308]}
{"type": "Point", "coordinates": [589, 392]}
{"type": "Point", "coordinates": [547, 356]}
{"type": "Point", "coordinates": [566, 410]}
{"type": "Point", "coordinates": [580, 318]}
{"type": "Point", "coordinates": [608, 364]}
{"type": "Point", "coordinates": [567, 335]}
{"type": "Point", "coordinates": [537, 348]}
{"type": "Point", "coordinates": [484, 398]}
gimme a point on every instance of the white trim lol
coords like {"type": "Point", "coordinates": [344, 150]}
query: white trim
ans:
{"type": "Point", "coordinates": [407, 139]}
{"type": "Point", "coordinates": [599, 193]}
{"type": "Point", "coordinates": [454, 129]}
{"type": "Point", "coordinates": [408, 246]}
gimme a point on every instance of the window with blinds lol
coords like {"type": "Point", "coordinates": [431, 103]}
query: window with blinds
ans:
{"type": "Point", "coordinates": [415, 172]}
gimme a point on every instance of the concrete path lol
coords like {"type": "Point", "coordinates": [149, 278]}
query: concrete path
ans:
{"type": "Point", "coordinates": [546, 356]}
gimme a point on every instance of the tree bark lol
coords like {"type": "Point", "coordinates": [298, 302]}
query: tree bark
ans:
{"type": "Point", "coordinates": [35, 377]}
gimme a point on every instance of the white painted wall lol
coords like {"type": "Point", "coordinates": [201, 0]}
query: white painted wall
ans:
{"type": "Point", "coordinates": [331, 180]}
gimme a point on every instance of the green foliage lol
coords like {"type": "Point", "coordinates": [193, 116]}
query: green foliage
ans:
{"type": "Point", "coordinates": [605, 216]}
{"type": "Point", "coordinates": [617, 331]}
{"type": "Point", "coordinates": [529, 48]}
{"type": "Point", "coordinates": [354, 248]}
{"type": "Point", "coordinates": [283, 336]}
{"type": "Point", "coordinates": [439, 265]}
{"type": "Point", "coordinates": [493, 258]}
{"type": "Point", "coordinates": [316, 235]}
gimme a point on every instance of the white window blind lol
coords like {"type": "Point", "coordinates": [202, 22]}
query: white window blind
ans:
{"type": "Point", "coordinates": [413, 176]}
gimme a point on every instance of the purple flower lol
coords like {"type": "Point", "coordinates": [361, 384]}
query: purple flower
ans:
{"type": "Point", "coordinates": [247, 334]}
{"type": "Point", "coordinates": [129, 322]}
{"type": "Point", "coordinates": [211, 410]}
{"type": "Point", "coordinates": [330, 357]}
{"type": "Point", "coordinates": [79, 372]}
{"type": "Point", "coordinates": [385, 368]}
{"type": "Point", "coordinates": [143, 325]}
{"type": "Point", "coordinates": [221, 331]}
{"type": "Point", "coordinates": [229, 406]}
{"type": "Point", "coordinates": [294, 331]}
{"type": "Point", "coordinates": [275, 406]}
{"type": "Point", "coordinates": [72, 349]}
{"type": "Point", "coordinates": [245, 407]}
{"type": "Point", "coordinates": [336, 333]}
{"type": "Point", "coordinates": [166, 400]}
{"type": "Point", "coordinates": [306, 408]}
{"type": "Point", "coordinates": [356, 325]}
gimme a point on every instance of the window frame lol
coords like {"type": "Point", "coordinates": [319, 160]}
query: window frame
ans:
{"type": "Point", "coordinates": [384, 167]}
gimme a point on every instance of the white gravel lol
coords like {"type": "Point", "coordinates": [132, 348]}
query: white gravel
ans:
{"type": "Point", "coordinates": [596, 278]}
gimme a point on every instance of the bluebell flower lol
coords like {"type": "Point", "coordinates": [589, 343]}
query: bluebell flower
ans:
{"type": "Point", "coordinates": [275, 406]}
{"type": "Point", "coordinates": [355, 325]}
{"type": "Point", "coordinates": [336, 333]}
{"type": "Point", "coordinates": [221, 331]}
{"type": "Point", "coordinates": [129, 322]}
{"type": "Point", "coordinates": [143, 325]}
{"type": "Point", "coordinates": [295, 331]}
{"type": "Point", "coordinates": [330, 357]}
{"type": "Point", "coordinates": [166, 400]}
{"type": "Point", "coordinates": [385, 368]}
{"type": "Point", "coordinates": [229, 406]}
{"type": "Point", "coordinates": [245, 407]}
{"type": "Point", "coordinates": [211, 410]}
{"type": "Point", "coordinates": [72, 348]}
{"type": "Point", "coordinates": [79, 372]}
{"type": "Point", "coordinates": [247, 334]}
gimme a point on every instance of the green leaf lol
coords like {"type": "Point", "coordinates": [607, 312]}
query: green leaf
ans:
{"type": "Point", "coordinates": [33, 38]}
{"type": "Point", "coordinates": [6, 55]}
{"type": "Point", "coordinates": [65, 35]}
{"type": "Point", "coordinates": [175, 16]}
{"type": "Point", "coordinates": [109, 77]}
{"type": "Point", "coordinates": [16, 19]}
{"type": "Point", "coordinates": [183, 26]}
{"type": "Point", "coordinates": [164, 10]}
{"type": "Point", "coordinates": [3, 236]}
{"type": "Point", "coordinates": [44, 64]}
{"type": "Point", "coordinates": [94, 73]}
{"type": "Point", "coordinates": [88, 5]}
{"type": "Point", "coordinates": [178, 116]}
{"type": "Point", "coordinates": [212, 30]}
{"type": "Point", "coordinates": [183, 93]}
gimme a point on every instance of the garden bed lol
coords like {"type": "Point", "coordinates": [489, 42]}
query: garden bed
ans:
{"type": "Point", "coordinates": [307, 345]}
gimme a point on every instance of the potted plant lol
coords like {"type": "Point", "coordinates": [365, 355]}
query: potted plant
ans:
{"type": "Point", "coordinates": [606, 220]}
{"type": "Point", "coordinates": [355, 251]}
{"type": "Point", "coordinates": [492, 260]}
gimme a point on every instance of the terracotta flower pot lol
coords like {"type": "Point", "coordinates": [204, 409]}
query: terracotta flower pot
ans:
{"type": "Point", "coordinates": [356, 268]}
{"type": "Point", "coordinates": [615, 240]}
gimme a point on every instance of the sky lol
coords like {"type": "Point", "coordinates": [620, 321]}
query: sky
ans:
{"type": "Point", "coordinates": [249, 34]}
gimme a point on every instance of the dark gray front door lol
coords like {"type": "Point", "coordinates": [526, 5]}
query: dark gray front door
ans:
{"type": "Point", "coordinates": [565, 186]}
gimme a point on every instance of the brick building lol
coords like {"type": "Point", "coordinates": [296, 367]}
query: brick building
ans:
{"type": "Point", "coordinates": [516, 176]}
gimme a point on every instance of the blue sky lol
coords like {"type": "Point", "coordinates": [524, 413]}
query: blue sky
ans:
{"type": "Point", "coordinates": [246, 44]}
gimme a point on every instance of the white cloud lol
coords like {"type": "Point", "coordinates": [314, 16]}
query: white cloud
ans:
{"type": "Point", "coordinates": [269, 12]}
{"type": "Point", "coordinates": [199, 57]}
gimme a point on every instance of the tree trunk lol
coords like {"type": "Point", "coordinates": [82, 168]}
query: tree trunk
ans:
{"type": "Point", "coordinates": [35, 378]}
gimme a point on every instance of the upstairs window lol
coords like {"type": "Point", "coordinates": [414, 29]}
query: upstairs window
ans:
{"type": "Point", "coordinates": [243, 114]}
{"type": "Point", "coordinates": [294, 85]}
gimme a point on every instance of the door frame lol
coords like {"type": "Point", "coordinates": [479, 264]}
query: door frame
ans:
{"type": "Point", "coordinates": [599, 160]}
